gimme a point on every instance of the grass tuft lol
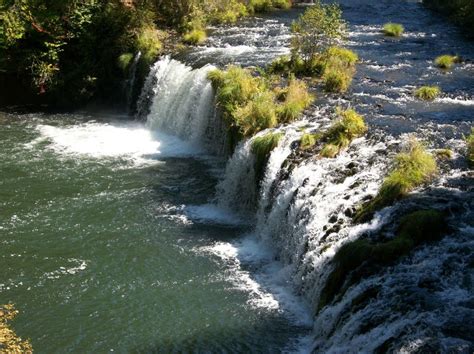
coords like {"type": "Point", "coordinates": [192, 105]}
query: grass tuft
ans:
{"type": "Point", "coordinates": [470, 147]}
{"type": "Point", "coordinates": [446, 61]}
{"type": "Point", "coordinates": [444, 154]}
{"type": "Point", "coordinates": [262, 146]}
{"type": "Point", "coordinates": [195, 37]}
{"type": "Point", "coordinates": [257, 114]}
{"type": "Point", "coordinates": [124, 61]}
{"type": "Point", "coordinates": [427, 93]}
{"type": "Point", "coordinates": [393, 29]}
{"type": "Point", "coordinates": [308, 140]}
{"type": "Point", "coordinates": [296, 99]}
{"type": "Point", "coordinates": [412, 168]}
{"type": "Point", "coordinates": [351, 125]}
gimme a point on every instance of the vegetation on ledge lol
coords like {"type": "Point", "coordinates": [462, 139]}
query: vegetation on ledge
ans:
{"type": "Point", "coordinates": [349, 126]}
{"type": "Point", "coordinates": [9, 341]}
{"type": "Point", "coordinates": [393, 29]}
{"type": "Point", "coordinates": [446, 61]}
{"type": "Point", "coordinates": [250, 103]}
{"type": "Point", "coordinates": [427, 93]}
{"type": "Point", "coordinates": [412, 168]}
{"type": "Point", "coordinates": [362, 257]}
{"type": "Point", "coordinates": [262, 146]}
{"type": "Point", "coordinates": [470, 147]}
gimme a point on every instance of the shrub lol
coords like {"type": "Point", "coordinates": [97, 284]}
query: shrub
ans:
{"type": "Point", "coordinates": [350, 126]}
{"type": "Point", "coordinates": [427, 93]}
{"type": "Point", "coordinates": [296, 99]}
{"type": "Point", "coordinates": [281, 65]}
{"type": "Point", "coordinates": [256, 6]}
{"type": "Point", "coordinates": [9, 341]}
{"type": "Point", "coordinates": [393, 29]}
{"type": "Point", "coordinates": [412, 168]}
{"type": "Point", "coordinates": [445, 61]}
{"type": "Point", "coordinates": [262, 146]}
{"type": "Point", "coordinates": [414, 229]}
{"type": "Point", "coordinates": [470, 147]}
{"type": "Point", "coordinates": [319, 27]}
{"type": "Point", "coordinates": [195, 37]}
{"type": "Point", "coordinates": [124, 61]}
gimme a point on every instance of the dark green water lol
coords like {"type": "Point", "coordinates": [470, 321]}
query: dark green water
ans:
{"type": "Point", "coordinates": [97, 254]}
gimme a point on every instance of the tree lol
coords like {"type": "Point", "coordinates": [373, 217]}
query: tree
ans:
{"type": "Point", "coordinates": [318, 28]}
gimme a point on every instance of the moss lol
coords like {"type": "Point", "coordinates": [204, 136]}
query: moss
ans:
{"type": "Point", "coordinates": [124, 61]}
{"type": "Point", "coordinates": [427, 93]}
{"type": "Point", "coordinates": [308, 140]}
{"type": "Point", "coordinates": [195, 37]}
{"type": "Point", "coordinates": [296, 99]}
{"type": "Point", "coordinates": [446, 61]}
{"type": "Point", "coordinates": [470, 147]}
{"type": "Point", "coordinates": [414, 229]}
{"type": "Point", "coordinates": [393, 29]}
{"type": "Point", "coordinates": [9, 341]}
{"type": "Point", "coordinates": [262, 146]}
{"type": "Point", "coordinates": [349, 126]}
{"type": "Point", "coordinates": [444, 154]}
{"type": "Point", "coordinates": [412, 168]}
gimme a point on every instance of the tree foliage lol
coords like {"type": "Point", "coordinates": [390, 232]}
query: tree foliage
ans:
{"type": "Point", "coordinates": [320, 27]}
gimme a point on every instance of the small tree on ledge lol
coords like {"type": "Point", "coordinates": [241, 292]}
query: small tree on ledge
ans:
{"type": "Point", "coordinates": [318, 28]}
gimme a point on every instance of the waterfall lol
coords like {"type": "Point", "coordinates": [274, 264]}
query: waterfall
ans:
{"type": "Point", "coordinates": [181, 103]}
{"type": "Point", "coordinates": [130, 84]}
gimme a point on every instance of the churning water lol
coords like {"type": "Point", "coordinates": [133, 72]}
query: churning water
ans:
{"type": "Point", "coordinates": [140, 237]}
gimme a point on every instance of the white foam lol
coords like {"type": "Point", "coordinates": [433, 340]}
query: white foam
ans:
{"type": "Point", "coordinates": [212, 214]}
{"type": "Point", "coordinates": [100, 140]}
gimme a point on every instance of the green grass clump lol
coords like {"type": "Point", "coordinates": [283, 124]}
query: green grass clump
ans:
{"type": "Point", "coordinates": [470, 147]}
{"type": "Point", "coordinates": [149, 43]}
{"type": "Point", "coordinates": [262, 146]}
{"type": "Point", "coordinates": [351, 125]}
{"type": "Point", "coordinates": [393, 29]}
{"type": "Point", "coordinates": [251, 104]}
{"type": "Point", "coordinates": [427, 93]}
{"type": "Point", "coordinates": [444, 154]}
{"type": "Point", "coordinates": [336, 81]}
{"type": "Point", "coordinates": [296, 99]}
{"type": "Point", "coordinates": [446, 61]}
{"type": "Point", "coordinates": [345, 56]}
{"type": "Point", "coordinates": [124, 61]}
{"type": "Point", "coordinates": [416, 228]}
{"type": "Point", "coordinates": [412, 168]}
{"type": "Point", "coordinates": [258, 114]}
{"type": "Point", "coordinates": [195, 37]}
{"type": "Point", "coordinates": [308, 140]}
{"type": "Point", "coordinates": [281, 4]}
{"type": "Point", "coordinates": [256, 6]}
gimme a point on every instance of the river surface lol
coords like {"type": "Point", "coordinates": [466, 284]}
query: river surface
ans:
{"type": "Point", "coordinates": [136, 237]}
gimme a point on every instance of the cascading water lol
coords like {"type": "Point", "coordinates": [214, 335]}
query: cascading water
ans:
{"type": "Point", "coordinates": [302, 209]}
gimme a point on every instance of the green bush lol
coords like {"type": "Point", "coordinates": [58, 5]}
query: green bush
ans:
{"type": "Point", "coordinates": [281, 4]}
{"type": "Point", "coordinates": [349, 126]}
{"type": "Point", "coordinates": [470, 147]}
{"type": "Point", "coordinates": [256, 6]}
{"type": "Point", "coordinates": [296, 99]}
{"type": "Point", "coordinates": [412, 168]}
{"type": "Point", "coordinates": [427, 93]}
{"type": "Point", "coordinates": [262, 146]}
{"type": "Point", "coordinates": [393, 29]}
{"type": "Point", "coordinates": [414, 229]}
{"type": "Point", "coordinates": [195, 37]}
{"type": "Point", "coordinates": [149, 43]}
{"type": "Point", "coordinates": [445, 61]}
